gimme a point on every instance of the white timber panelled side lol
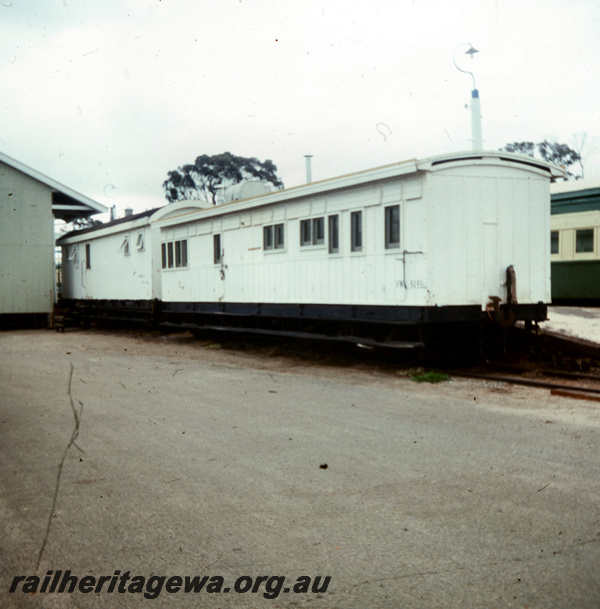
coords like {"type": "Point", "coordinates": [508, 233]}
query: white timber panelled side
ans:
{"type": "Point", "coordinates": [120, 264]}
{"type": "Point", "coordinates": [26, 244]}
{"type": "Point", "coordinates": [461, 224]}
{"type": "Point", "coordinates": [306, 274]}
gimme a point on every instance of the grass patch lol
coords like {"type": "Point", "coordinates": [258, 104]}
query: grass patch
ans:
{"type": "Point", "coordinates": [430, 377]}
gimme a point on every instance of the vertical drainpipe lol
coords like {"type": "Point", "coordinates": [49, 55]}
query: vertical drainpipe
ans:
{"type": "Point", "coordinates": [308, 158]}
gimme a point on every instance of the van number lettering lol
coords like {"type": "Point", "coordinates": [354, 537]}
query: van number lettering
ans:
{"type": "Point", "coordinates": [413, 284]}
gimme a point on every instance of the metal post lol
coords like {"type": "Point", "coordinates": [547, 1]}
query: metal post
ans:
{"type": "Point", "coordinates": [476, 120]}
{"type": "Point", "coordinates": [308, 158]}
{"type": "Point", "coordinates": [475, 104]}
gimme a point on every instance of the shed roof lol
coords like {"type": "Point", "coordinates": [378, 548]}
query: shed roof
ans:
{"type": "Point", "coordinates": [67, 204]}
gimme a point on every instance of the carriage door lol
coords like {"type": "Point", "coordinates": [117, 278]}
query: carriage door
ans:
{"type": "Point", "coordinates": [87, 279]}
{"type": "Point", "coordinates": [219, 266]}
{"type": "Point", "coordinates": [492, 275]}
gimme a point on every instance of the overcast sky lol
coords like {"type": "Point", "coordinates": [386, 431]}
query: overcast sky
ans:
{"type": "Point", "coordinates": [107, 97]}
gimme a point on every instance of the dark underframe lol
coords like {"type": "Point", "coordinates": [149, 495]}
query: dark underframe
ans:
{"type": "Point", "coordinates": [397, 327]}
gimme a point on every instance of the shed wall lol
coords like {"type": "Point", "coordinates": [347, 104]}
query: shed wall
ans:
{"type": "Point", "coordinates": [26, 244]}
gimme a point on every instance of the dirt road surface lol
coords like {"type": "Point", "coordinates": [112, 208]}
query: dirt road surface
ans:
{"type": "Point", "coordinates": [191, 460]}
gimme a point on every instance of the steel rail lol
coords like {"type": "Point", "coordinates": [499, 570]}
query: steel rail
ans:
{"type": "Point", "coordinates": [521, 381]}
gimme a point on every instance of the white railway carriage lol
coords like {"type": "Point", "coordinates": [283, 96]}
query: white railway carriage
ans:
{"type": "Point", "coordinates": [112, 261]}
{"type": "Point", "coordinates": [377, 253]}
{"type": "Point", "coordinates": [113, 268]}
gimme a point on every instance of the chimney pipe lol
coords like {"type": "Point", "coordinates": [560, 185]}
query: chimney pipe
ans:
{"type": "Point", "coordinates": [128, 211]}
{"type": "Point", "coordinates": [308, 158]}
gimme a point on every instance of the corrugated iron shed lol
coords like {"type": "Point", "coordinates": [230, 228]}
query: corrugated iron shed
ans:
{"type": "Point", "coordinates": [29, 203]}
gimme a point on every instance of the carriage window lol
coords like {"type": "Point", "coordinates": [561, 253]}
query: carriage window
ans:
{"type": "Point", "coordinates": [334, 234]}
{"type": "Point", "coordinates": [279, 236]}
{"type": "Point", "coordinates": [312, 232]}
{"type": "Point", "coordinates": [217, 253]}
{"type": "Point", "coordinates": [268, 237]}
{"type": "Point", "coordinates": [554, 242]}
{"type": "Point", "coordinates": [356, 231]}
{"type": "Point", "coordinates": [181, 253]}
{"type": "Point", "coordinates": [584, 241]}
{"type": "Point", "coordinates": [184, 261]}
{"type": "Point", "coordinates": [125, 246]}
{"type": "Point", "coordinates": [174, 254]}
{"type": "Point", "coordinates": [274, 237]}
{"type": "Point", "coordinates": [318, 232]}
{"type": "Point", "coordinates": [392, 227]}
{"type": "Point", "coordinates": [305, 232]}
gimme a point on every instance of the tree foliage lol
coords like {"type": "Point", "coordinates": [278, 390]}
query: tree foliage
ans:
{"type": "Point", "coordinates": [203, 179]}
{"type": "Point", "coordinates": [553, 152]}
{"type": "Point", "coordinates": [81, 223]}
{"type": "Point", "coordinates": [526, 148]}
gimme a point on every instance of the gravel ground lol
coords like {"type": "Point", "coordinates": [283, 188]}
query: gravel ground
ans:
{"type": "Point", "coordinates": [192, 459]}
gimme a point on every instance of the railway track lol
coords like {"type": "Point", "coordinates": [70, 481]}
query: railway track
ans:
{"type": "Point", "coordinates": [570, 384]}
{"type": "Point", "coordinates": [566, 366]}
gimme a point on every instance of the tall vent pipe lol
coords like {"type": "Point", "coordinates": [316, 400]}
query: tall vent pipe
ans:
{"type": "Point", "coordinates": [308, 158]}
